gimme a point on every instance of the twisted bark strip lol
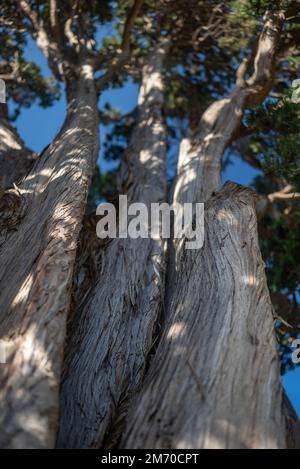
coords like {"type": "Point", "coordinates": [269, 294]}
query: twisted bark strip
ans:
{"type": "Point", "coordinates": [15, 158]}
{"type": "Point", "coordinates": [223, 392]}
{"type": "Point", "coordinates": [111, 335]}
{"type": "Point", "coordinates": [36, 273]}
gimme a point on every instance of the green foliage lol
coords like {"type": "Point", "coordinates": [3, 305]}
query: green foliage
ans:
{"type": "Point", "coordinates": [263, 185]}
{"type": "Point", "coordinates": [255, 8]}
{"type": "Point", "coordinates": [117, 138]}
{"type": "Point", "coordinates": [34, 87]}
{"type": "Point", "coordinates": [28, 84]}
{"type": "Point", "coordinates": [177, 96]}
{"type": "Point", "coordinates": [277, 142]}
{"type": "Point", "coordinates": [281, 248]}
{"type": "Point", "coordinates": [277, 145]}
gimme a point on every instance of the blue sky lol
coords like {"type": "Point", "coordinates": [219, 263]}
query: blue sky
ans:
{"type": "Point", "coordinates": [38, 126]}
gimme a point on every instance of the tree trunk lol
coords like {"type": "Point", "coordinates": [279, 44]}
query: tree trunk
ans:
{"type": "Point", "coordinates": [215, 382]}
{"type": "Point", "coordinates": [112, 333]}
{"type": "Point", "coordinates": [218, 352]}
{"type": "Point", "coordinates": [15, 158]}
{"type": "Point", "coordinates": [36, 274]}
{"type": "Point", "coordinates": [292, 423]}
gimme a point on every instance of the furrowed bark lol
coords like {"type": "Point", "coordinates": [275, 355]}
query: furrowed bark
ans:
{"type": "Point", "coordinates": [112, 334]}
{"type": "Point", "coordinates": [214, 382]}
{"type": "Point", "coordinates": [36, 274]}
{"type": "Point", "coordinates": [218, 353]}
{"type": "Point", "coordinates": [15, 158]}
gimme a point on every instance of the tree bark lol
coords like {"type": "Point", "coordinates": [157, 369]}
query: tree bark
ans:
{"type": "Point", "coordinates": [112, 333]}
{"type": "Point", "coordinates": [292, 423]}
{"type": "Point", "coordinates": [15, 158]}
{"type": "Point", "coordinates": [214, 382]}
{"type": "Point", "coordinates": [218, 353]}
{"type": "Point", "coordinates": [36, 273]}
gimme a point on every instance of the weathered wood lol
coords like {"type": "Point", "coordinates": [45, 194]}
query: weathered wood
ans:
{"type": "Point", "coordinates": [36, 273]}
{"type": "Point", "coordinates": [112, 333]}
{"type": "Point", "coordinates": [292, 423]}
{"type": "Point", "coordinates": [200, 158]}
{"type": "Point", "coordinates": [214, 381]}
{"type": "Point", "coordinates": [15, 158]}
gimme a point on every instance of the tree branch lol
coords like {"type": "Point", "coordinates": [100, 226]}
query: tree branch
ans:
{"type": "Point", "coordinates": [55, 24]}
{"type": "Point", "coordinates": [261, 80]}
{"type": "Point", "coordinates": [113, 68]}
{"type": "Point", "coordinates": [130, 23]}
{"type": "Point", "coordinates": [69, 33]}
{"type": "Point", "coordinates": [122, 58]}
{"type": "Point", "coordinates": [285, 195]}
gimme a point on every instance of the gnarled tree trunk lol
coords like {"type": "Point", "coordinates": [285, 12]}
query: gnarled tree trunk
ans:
{"type": "Point", "coordinates": [112, 334]}
{"type": "Point", "coordinates": [292, 423]}
{"type": "Point", "coordinates": [36, 274]}
{"type": "Point", "coordinates": [15, 158]}
{"type": "Point", "coordinates": [215, 382]}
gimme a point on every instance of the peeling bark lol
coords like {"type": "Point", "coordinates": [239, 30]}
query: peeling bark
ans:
{"type": "Point", "coordinates": [111, 335]}
{"type": "Point", "coordinates": [36, 273]}
{"type": "Point", "coordinates": [214, 382]}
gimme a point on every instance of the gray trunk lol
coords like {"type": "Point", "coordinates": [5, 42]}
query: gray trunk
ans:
{"type": "Point", "coordinates": [36, 274]}
{"type": "Point", "coordinates": [15, 158]}
{"type": "Point", "coordinates": [215, 381]}
{"type": "Point", "coordinates": [112, 333]}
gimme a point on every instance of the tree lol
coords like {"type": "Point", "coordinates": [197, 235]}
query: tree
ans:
{"type": "Point", "coordinates": [239, 277]}
{"type": "Point", "coordinates": [156, 347]}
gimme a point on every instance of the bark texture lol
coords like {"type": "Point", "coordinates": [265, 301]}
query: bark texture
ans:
{"type": "Point", "coordinates": [112, 333]}
{"type": "Point", "coordinates": [36, 274]}
{"type": "Point", "coordinates": [292, 424]}
{"type": "Point", "coordinates": [214, 382]}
